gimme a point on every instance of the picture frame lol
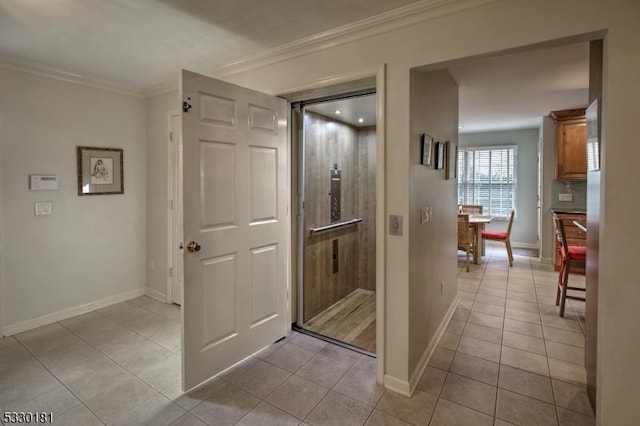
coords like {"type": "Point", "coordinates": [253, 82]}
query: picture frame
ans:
{"type": "Point", "coordinates": [451, 160]}
{"type": "Point", "coordinates": [439, 155]}
{"type": "Point", "coordinates": [100, 170]}
{"type": "Point", "coordinates": [426, 149]}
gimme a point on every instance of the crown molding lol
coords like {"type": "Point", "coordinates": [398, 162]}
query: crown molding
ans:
{"type": "Point", "coordinates": [168, 86]}
{"type": "Point", "coordinates": [415, 13]}
{"type": "Point", "coordinates": [389, 21]}
{"type": "Point", "coordinates": [66, 76]}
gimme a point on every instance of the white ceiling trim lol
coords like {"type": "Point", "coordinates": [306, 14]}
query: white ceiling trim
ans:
{"type": "Point", "coordinates": [379, 24]}
{"type": "Point", "coordinates": [392, 20]}
{"type": "Point", "coordinates": [385, 22]}
{"type": "Point", "coordinates": [69, 77]}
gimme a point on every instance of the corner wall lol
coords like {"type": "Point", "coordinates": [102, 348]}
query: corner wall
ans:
{"type": "Point", "coordinates": [91, 248]}
{"type": "Point", "coordinates": [525, 224]}
{"type": "Point", "coordinates": [432, 245]}
{"type": "Point", "coordinates": [157, 243]}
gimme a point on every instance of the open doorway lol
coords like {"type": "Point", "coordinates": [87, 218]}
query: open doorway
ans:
{"type": "Point", "coordinates": [337, 241]}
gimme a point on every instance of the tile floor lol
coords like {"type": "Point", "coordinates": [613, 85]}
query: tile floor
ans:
{"type": "Point", "coordinates": [506, 358]}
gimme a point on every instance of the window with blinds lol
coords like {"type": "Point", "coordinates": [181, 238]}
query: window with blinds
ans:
{"type": "Point", "coordinates": [487, 177]}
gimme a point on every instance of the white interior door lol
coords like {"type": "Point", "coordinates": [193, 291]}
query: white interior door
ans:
{"type": "Point", "coordinates": [235, 193]}
{"type": "Point", "coordinates": [177, 274]}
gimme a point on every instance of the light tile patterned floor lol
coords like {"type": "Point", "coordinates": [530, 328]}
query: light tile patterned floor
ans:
{"type": "Point", "coordinates": [506, 358]}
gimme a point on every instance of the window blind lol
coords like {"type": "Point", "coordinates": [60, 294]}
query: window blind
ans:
{"type": "Point", "coordinates": [487, 177]}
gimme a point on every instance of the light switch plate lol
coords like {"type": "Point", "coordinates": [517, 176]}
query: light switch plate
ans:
{"type": "Point", "coordinates": [395, 225]}
{"type": "Point", "coordinates": [425, 215]}
{"type": "Point", "coordinates": [43, 208]}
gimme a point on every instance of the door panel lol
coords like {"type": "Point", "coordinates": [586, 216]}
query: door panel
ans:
{"type": "Point", "coordinates": [235, 206]}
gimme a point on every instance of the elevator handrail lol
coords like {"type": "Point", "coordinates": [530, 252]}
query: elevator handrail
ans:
{"type": "Point", "coordinates": [334, 225]}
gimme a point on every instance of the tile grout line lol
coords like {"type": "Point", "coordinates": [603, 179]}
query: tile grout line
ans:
{"type": "Point", "coordinates": [117, 363]}
{"type": "Point", "coordinates": [59, 381]}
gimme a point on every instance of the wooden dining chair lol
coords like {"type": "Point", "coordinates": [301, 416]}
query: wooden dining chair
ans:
{"type": "Point", "coordinates": [504, 237]}
{"type": "Point", "coordinates": [465, 237]}
{"type": "Point", "coordinates": [472, 209]}
{"type": "Point", "coordinates": [568, 256]}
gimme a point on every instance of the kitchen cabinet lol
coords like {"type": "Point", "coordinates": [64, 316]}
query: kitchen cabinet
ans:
{"type": "Point", "coordinates": [575, 237]}
{"type": "Point", "coordinates": [571, 144]}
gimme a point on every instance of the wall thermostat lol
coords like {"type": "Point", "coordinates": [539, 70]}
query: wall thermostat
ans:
{"type": "Point", "coordinates": [43, 182]}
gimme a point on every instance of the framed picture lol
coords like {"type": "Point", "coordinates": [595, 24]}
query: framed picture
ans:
{"type": "Point", "coordinates": [100, 171]}
{"type": "Point", "coordinates": [439, 155]}
{"type": "Point", "coordinates": [451, 160]}
{"type": "Point", "coordinates": [426, 147]}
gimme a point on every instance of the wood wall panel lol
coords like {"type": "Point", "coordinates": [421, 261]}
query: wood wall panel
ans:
{"type": "Point", "coordinates": [328, 142]}
{"type": "Point", "coordinates": [366, 208]}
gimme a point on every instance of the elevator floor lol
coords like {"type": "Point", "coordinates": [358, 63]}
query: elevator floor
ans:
{"type": "Point", "coordinates": [351, 320]}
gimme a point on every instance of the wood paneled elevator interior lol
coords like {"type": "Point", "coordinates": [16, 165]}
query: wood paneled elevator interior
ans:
{"type": "Point", "coordinates": [338, 238]}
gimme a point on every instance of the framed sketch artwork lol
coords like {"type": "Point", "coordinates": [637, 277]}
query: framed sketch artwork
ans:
{"type": "Point", "coordinates": [100, 171]}
{"type": "Point", "coordinates": [426, 148]}
{"type": "Point", "coordinates": [439, 155]}
{"type": "Point", "coordinates": [451, 160]}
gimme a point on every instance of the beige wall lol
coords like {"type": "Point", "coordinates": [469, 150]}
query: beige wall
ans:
{"type": "Point", "coordinates": [496, 27]}
{"type": "Point", "coordinates": [91, 248]}
{"type": "Point", "coordinates": [432, 245]}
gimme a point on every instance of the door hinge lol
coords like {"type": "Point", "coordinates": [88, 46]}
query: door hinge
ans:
{"type": "Point", "coordinates": [171, 136]}
{"type": "Point", "coordinates": [170, 204]}
{"type": "Point", "coordinates": [170, 272]}
{"type": "Point", "coordinates": [186, 106]}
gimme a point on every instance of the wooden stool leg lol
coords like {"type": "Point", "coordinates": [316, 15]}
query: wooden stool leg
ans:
{"type": "Point", "coordinates": [565, 284]}
{"type": "Point", "coordinates": [560, 274]}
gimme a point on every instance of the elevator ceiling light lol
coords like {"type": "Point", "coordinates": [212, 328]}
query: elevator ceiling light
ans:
{"type": "Point", "coordinates": [360, 120]}
{"type": "Point", "coordinates": [337, 112]}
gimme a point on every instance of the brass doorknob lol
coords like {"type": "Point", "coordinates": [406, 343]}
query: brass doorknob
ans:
{"type": "Point", "coordinates": [193, 246]}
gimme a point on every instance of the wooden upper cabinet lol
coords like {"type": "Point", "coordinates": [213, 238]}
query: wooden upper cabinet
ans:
{"type": "Point", "coordinates": [571, 144]}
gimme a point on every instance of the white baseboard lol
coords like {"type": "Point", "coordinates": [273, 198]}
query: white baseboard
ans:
{"type": "Point", "coordinates": [426, 356]}
{"type": "Point", "coordinates": [155, 294]}
{"type": "Point", "coordinates": [30, 324]}
{"type": "Point", "coordinates": [396, 385]}
{"type": "Point", "coordinates": [406, 388]}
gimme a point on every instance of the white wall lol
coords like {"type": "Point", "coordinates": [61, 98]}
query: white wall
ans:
{"type": "Point", "coordinates": [91, 247]}
{"type": "Point", "coordinates": [158, 108]}
{"type": "Point", "coordinates": [495, 27]}
{"type": "Point", "coordinates": [525, 224]}
{"type": "Point", "coordinates": [432, 245]}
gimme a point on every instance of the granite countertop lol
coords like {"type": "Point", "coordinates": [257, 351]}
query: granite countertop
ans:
{"type": "Point", "coordinates": [568, 211]}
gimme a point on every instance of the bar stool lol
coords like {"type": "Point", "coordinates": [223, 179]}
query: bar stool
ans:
{"type": "Point", "coordinates": [568, 255]}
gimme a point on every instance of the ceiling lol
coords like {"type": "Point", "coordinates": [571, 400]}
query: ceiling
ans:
{"type": "Point", "coordinates": [358, 111]}
{"type": "Point", "coordinates": [143, 43]}
{"type": "Point", "coordinates": [514, 91]}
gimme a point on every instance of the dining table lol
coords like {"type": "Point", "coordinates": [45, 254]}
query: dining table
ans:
{"type": "Point", "coordinates": [478, 222]}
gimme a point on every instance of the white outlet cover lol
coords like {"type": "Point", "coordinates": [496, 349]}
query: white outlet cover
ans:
{"type": "Point", "coordinates": [565, 197]}
{"type": "Point", "coordinates": [43, 208]}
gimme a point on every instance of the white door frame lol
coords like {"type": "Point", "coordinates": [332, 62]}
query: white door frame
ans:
{"type": "Point", "coordinates": [173, 249]}
{"type": "Point", "coordinates": [380, 74]}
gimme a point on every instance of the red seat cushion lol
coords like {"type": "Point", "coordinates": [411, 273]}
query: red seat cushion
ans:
{"type": "Point", "coordinates": [494, 235]}
{"type": "Point", "coordinates": [575, 252]}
